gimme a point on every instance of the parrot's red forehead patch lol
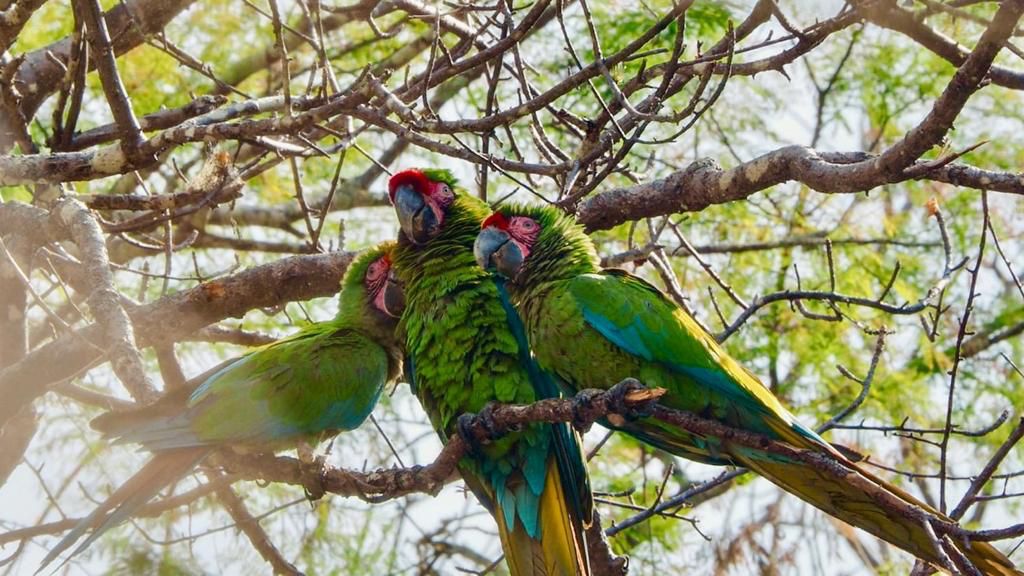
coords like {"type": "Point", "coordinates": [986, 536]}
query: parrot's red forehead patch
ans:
{"type": "Point", "coordinates": [497, 220]}
{"type": "Point", "coordinates": [386, 259]}
{"type": "Point", "coordinates": [418, 180]}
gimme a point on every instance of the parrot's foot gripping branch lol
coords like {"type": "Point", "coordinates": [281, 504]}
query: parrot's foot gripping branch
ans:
{"type": "Point", "coordinates": [627, 401]}
{"type": "Point", "coordinates": [587, 405]}
{"type": "Point", "coordinates": [314, 481]}
{"type": "Point", "coordinates": [632, 400]}
{"type": "Point", "coordinates": [480, 429]}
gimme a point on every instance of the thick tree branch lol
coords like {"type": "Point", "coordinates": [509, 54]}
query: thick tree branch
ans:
{"type": "Point", "coordinates": [104, 300]}
{"type": "Point", "coordinates": [250, 526]}
{"type": "Point", "coordinates": [110, 78]}
{"type": "Point", "coordinates": [890, 15]}
{"type": "Point", "coordinates": [13, 18]}
{"type": "Point", "coordinates": [159, 120]}
{"type": "Point", "coordinates": [587, 407]}
{"type": "Point", "coordinates": [704, 183]}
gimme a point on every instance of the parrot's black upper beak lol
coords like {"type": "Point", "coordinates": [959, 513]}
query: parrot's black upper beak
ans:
{"type": "Point", "coordinates": [414, 215]}
{"type": "Point", "coordinates": [394, 296]}
{"type": "Point", "coordinates": [494, 250]}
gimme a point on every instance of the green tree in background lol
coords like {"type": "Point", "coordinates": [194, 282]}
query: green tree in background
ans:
{"type": "Point", "coordinates": [832, 188]}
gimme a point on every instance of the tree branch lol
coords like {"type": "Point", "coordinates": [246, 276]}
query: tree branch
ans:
{"type": "Point", "coordinates": [704, 183]}
{"type": "Point", "coordinates": [104, 300]}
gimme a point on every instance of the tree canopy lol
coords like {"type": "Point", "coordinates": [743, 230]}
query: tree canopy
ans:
{"type": "Point", "coordinates": [832, 188]}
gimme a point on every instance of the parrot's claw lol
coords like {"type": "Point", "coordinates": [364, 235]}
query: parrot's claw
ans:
{"type": "Point", "coordinates": [306, 452]}
{"type": "Point", "coordinates": [584, 410]}
{"type": "Point", "coordinates": [464, 426]}
{"type": "Point", "coordinates": [467, 427]}
{"type": "Point", "coordinates": [315, 478]}
{"type": "Point", "coordinates": [494, 430]}
{"type": "Point", "coordinates": [617, 396]}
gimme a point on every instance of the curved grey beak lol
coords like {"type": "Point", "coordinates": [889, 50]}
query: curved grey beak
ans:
{"type": "Point", "coordinates": [494, 250]}
{"type": "Point", "coordinates": [394, 296]}
{"type": "Point", "coordinates": [414, 215]}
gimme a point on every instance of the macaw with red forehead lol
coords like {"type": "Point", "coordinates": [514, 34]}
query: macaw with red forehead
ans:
{"type": "Point", "coordinates": [324, 379]}
{"type": "Point", "coordinates": [466, 348]}
{"type": "Point", "coordinates": [593, 328]}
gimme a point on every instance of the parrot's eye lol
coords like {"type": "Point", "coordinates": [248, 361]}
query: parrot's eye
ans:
{"type": "Point", "coordinates": [377, 269]}
{"type": "Point", "coordinates": [441, 194]}
{"type": "Point", "coordinates": [444, 193]}
{"type": "Point", "coordinates": [524, 229]}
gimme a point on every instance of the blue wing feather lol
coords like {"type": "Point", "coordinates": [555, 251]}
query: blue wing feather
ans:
{"type": "Point", "coordinates": [641, 321]}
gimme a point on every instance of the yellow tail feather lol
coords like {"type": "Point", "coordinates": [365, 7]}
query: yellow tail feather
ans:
{"type": "Point", "coordinates": [858, 508]}
{"type": "Point", "coordinates": [561, 550]}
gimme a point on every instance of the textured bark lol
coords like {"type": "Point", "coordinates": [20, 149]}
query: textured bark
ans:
{"type": "Point", "coordinates": [103, 298]}
{"type": "Point", "coordinates": [704, 183]}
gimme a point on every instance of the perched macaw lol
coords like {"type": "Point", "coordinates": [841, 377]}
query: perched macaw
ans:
{"type": "Point", "coordinates": [465, 348]}
{"type": "Point", "coordinates": [592, 328]}
{"type": "Point", "coordinates": [324, 379]}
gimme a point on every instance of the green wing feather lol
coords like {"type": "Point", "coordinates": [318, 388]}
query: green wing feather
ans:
{"type": "Point", "coordinates": [325, 378]}
{"type": "Point", "coordinates": [320, 379]}
{"type": "Point", "coordinates": [642, 321]}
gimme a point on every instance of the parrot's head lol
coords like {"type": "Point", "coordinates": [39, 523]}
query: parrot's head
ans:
{"type": "Point", "coordinates": [383, 287]}
{"type": "Point", "coordinates": [532, 243]}
{"type": "Point", "coordinates": [505, 242]}
{"type": "Point", "coordinates": [370, 282]}
{"type": "Point", "coordinates": [421, 199]}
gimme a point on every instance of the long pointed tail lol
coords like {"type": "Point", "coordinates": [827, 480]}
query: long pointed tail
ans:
{"type": "Point", "coordinates": [560, 548]}
{"type": "Point", "coordinates": [855, 506]}
{"type": "Point", "coordinates": [160, 471]}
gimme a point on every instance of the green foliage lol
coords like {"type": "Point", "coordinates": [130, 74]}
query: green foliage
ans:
{"type": "Point", "coordinates": [893, 83]}
{"type": "Point", "coordinates": [882, 89]}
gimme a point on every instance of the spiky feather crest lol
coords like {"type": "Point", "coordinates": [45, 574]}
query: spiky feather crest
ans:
{"type": "Point", "coordinates": [562, 249]}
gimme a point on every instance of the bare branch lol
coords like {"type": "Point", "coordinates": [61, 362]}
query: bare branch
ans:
{"type": "Point", "coordinates": [118, 332]}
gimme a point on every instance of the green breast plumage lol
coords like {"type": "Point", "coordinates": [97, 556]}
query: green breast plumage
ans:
{"type": "Point", "coordinates": [465, 355]}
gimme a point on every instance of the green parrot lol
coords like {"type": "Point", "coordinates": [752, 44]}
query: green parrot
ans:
{"type": "Point", "coordinates": [592, 328]}
{"type": "Point", "coordinates": [466, 348]}
{"type": "Point", "coordinates": [324, 379]}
